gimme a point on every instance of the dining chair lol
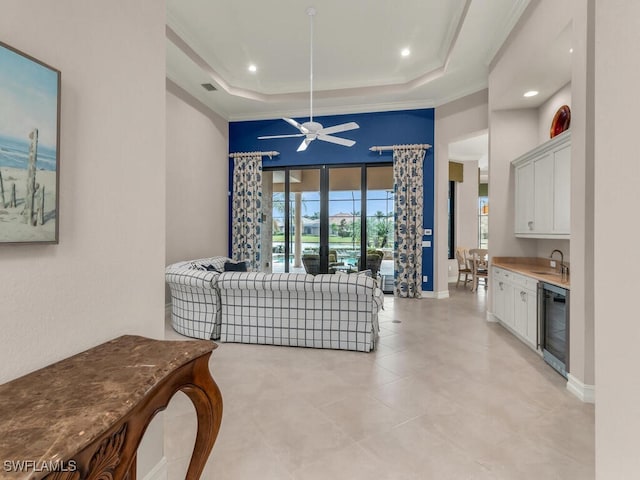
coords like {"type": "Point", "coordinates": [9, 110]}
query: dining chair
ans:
{"type": "Point", "coordinates": [479, 267]}
{"type": "Point", "coordinates": [464, 268]}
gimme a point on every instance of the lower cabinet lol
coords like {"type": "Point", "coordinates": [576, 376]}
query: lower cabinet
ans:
{"type": "Point", "coordinates": [515, 304]}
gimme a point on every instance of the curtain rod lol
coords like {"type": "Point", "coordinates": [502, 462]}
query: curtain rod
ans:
{"type": "Point", "coordinates": [426, 146]}
{"type": "Point", "coordinates": [253, 154]}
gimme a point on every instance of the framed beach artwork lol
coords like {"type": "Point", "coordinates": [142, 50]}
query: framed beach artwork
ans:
{"type": "Point", "coordinates": [29, 148]}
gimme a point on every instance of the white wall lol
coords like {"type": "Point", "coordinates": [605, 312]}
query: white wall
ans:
{"type": "Point", "coordinates": [467, 207]}
{"type": "Point", "coordinates": [548, 110]}
{"type": "Point", "coordinates": [617, 176]}
{"type": "Point", "coordinates": [511, 133]}
{"type": "Point", "coordinates": [454, 121]}
{"type": "Point", "coordinates": [197, 179]}
{"type": "Point", "coordinates": [106, 277]}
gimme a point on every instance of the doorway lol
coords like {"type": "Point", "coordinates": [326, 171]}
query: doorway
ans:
{"type": "Point", "coordinates": [321, 218]}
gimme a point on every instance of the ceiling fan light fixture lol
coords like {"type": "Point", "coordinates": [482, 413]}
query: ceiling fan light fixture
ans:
{"type": "Point", "coordinates": [314, 130]}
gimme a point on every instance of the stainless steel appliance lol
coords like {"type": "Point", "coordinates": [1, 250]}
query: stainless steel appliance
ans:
{"type": "Point", "coordinates": [553, 322]}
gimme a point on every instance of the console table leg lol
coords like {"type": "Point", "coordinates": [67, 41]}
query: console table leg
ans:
{"type": "Point", "coordinates": [207, 400]}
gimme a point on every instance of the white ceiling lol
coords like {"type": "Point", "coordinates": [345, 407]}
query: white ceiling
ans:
{"type": "Point", "coordinates": [357, 44]}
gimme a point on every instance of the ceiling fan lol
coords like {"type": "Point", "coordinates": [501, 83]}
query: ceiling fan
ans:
{"type": "Point", "coordinates": [313, 130]}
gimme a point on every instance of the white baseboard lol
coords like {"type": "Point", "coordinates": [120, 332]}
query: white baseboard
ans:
{"type": "Point", "coordinates": [586, 393]}
{"type": "Point", "coordinates": [491, 317]}
{"type": "Point", "coordinates": [159, 471]}
{"type": "Point", "coordinates": [437, 295]}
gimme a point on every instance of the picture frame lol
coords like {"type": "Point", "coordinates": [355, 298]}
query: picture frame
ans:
{"type": "Point", "coordinates": [29, 149]}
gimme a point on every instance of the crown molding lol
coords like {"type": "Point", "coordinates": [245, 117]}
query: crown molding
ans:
{"type": "Point", "coordinates": [501, 34]}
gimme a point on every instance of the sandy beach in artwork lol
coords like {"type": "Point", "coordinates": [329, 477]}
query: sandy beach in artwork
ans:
{"type": "Point", "coordinates": [12, 226]}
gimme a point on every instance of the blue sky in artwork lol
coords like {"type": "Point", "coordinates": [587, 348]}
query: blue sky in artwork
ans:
{"type": "Point", "coordinates": [28, 98]}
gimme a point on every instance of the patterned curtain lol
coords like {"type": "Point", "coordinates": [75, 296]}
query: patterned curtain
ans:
{"type": "Point", "coordinates": [246, 210]}
{"type": "Point", "coordinates": [407, 176]}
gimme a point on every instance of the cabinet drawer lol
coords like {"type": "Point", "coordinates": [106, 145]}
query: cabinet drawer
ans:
{"type": "Point", "coordinates": [524, 281]}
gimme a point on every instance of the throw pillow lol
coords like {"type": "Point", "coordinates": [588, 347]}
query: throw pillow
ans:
{"type": "Point", "coordinates": [235, 267]}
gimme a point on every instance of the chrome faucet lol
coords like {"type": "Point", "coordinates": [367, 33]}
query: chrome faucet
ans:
{"type": "Point", "coordinates": [564, 270]}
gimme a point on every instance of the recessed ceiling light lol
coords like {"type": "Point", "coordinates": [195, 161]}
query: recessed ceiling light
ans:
{"type": "Point", "coordinates": [531, 93]}
{"type": "Point", "coordinates": [405, 52]}
{"type": "Point", "coordinates": [571, 50]}
{"type": "Point", "coordinates": [253, 68]}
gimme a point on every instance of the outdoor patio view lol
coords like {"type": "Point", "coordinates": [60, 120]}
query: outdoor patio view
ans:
{"type": "Point", "coordinates": [344, 219]}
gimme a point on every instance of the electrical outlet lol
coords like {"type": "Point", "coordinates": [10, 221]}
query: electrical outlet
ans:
{"type": "Point", "coordinates": [449, 267]}
{"type": "Point", "coordinates": [425, 279]}
{"type": "Point", "coordinates": [552, 264]}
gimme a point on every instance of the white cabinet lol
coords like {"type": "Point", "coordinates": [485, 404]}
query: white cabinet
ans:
{"type": "Point", "coordinates": [515, 304]}
{"type": "Point", "coordinates": [526, 315]}
{"type": "Point", "coordinates": [543, 190]}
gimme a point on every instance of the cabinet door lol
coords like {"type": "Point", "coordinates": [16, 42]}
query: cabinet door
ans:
{"type": "Point", "coordinates": [519, 312]}
{"type": "Point", "coordinates": [543, 168]}
{"type": "Point", "coordinates": [498, 294]}
{"type": "Point", "coordinates": [525, 315]}
{"type": "Point", "coordinates": [509, 317]}
{"type": "Point", "coordinates": [524, 220]}
{"type": "Point", "coordinates": [562, 191]}
{"type": "Point", "coordinates": [532, 318]}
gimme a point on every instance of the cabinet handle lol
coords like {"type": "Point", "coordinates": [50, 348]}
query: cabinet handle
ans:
{"type": "Point", "coordinates": [501, 286]}
{"type": "Point", "coordinates": [530, 225]}
{"type": "Point", "coordinates": [523, 296]}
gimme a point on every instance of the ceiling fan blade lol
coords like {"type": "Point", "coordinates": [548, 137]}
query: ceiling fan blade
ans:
{"type": "Point", "coordinates": [303, 146]}
{"type": "Point", "coordinates": [340, 141]}
{"type": "Point", "coordinates": [343, 127]}
{"type": "Point", "coordinates": [293, 123]}
{"type": "Point", "coordinates": [281, 136]}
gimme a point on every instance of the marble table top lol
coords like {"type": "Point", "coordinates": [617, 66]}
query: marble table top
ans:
{"type": "Point", "coordinates": [53, 413]}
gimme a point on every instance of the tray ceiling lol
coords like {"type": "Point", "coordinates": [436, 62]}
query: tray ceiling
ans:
{"type": "Point", "coordinates": [357, 61]}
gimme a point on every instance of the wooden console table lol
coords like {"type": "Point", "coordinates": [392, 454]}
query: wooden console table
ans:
{"type": "Point", "coordinates": [83, 417]}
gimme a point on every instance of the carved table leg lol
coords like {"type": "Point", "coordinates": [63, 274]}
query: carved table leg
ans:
{"type": "Point", "coordinates": [207, 400]}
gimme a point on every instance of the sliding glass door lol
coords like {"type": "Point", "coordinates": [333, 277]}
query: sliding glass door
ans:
{"type": "Point", "coordinates": [324, 219]}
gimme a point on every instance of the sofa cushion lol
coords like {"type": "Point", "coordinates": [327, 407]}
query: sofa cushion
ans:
{"type": "Point", "coordinates": [232, 266]}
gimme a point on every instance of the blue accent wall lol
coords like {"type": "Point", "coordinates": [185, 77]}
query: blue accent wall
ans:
{"type": "Point", "coordinates": [380, 128]}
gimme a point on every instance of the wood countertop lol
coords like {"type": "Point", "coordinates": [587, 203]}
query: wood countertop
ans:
{"type": "Point", "coordinates": [534, 267]}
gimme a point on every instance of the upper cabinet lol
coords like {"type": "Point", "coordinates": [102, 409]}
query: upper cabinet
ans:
{"type": "Point", "coordinates": [543, 190]}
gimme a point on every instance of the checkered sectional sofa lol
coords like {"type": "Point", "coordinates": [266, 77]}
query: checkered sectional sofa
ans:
{"type": "Point", "coordinates": [322, 311]}
{"type": "Point", "coordinates": [297, 309]}
{"type": "Point", "coordinates": [195, 298]}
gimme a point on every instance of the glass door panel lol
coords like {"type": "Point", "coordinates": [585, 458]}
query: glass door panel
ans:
{"type": "Point", "coordinates": [344, 218]}
{"type": "Point", "coordinates": [322, 219]}
{"type": "Point", "coordinates": [273, 225]}
{"type": "Point", "coordinates": [304, 220]}
{"type": "Point", "coordinates": [380, 210]}
{"type": "Point", "coordinates": [291, 228]}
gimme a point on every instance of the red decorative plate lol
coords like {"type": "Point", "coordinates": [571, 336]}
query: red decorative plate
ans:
{"type": "Point", "coordinates": [561, 121]}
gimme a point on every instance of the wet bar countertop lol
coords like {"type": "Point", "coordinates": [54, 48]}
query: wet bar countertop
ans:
{"type": "Point", "coordinates": [53, 413]}
{"type": "Point", "coordinates": [534, 267]}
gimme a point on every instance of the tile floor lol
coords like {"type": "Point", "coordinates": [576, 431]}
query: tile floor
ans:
{"type": "Point", "coordinates": [446, 396]}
